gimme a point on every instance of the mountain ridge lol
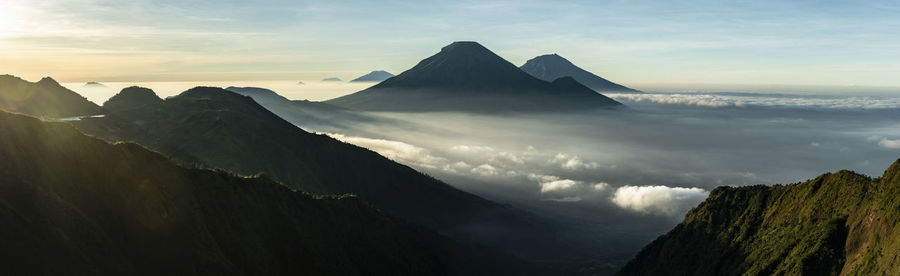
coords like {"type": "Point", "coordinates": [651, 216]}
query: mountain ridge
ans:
{"type": "Point", "coordinates": [45, 98]}
{"type": "Point", "coordinates": [374, 76]}
{"type": "Point", "coordinates": [553, 66]}
{"type": "Point", "coordinates": [840, 223]}
{"type": "Point", "coordinates": [74, 204]}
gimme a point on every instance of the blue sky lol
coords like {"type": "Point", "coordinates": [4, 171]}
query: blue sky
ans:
{"type": "Point", "coordinates": [638, 43]}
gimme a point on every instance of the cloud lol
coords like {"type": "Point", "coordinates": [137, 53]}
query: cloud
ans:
{"type": "Point", "coordinates": [555, 185]}
{"type": "Point", "coordinates": [602, 186]}
{"type": "Point", "coordinates": [664, 200]}
{"type": "Point", "coordinates": [572, 162]}
{"type": "Point", "coordinates": [486, 170]}
{"type": "Point", "coordinates": [767, 100]}
{"type": "Point", "coordinates": [884, 142]}
{"type": "Point", "coordinates": [397, 151]}
{"type": "Point", "coordinates": [472, 149]}
{"type": "Point", "coordinates": [888, 143]}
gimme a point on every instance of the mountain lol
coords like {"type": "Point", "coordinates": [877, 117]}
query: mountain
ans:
{"type": "Point", "coordinates": [132, 98]}
{"type": "Point", "coordinates": [308, 114]}
{"type": "Point", "coordinates": [551, 67]}
{"type": "Point", "coordinates": [300, 83]}
{"type": "Point", "coordinates": [94, 84]}
{"type": "Point", "coordinates": [76, 205]}
{"type": "Point", "coordinates": [839, 223]}
{"type": "Point", "coordinates": [222, 129]}
{"type": "Point", "coordinates": [466, 76]}
{"type": "Point", "coordinates": [332, 80]}
{"type": "Point", "coordinates": [374, 76]}
{"type": "Point", "coordinates": [45, 98]}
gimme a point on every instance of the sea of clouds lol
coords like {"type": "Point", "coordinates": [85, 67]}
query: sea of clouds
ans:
{"type": "Point", "coordinates": [659, 157]}
{"type": "Point", "coordinates": [761, 100]}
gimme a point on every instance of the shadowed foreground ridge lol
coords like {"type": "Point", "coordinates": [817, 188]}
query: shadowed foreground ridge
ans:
{"type": "Point", "coordinates": [222, 129]}
{"type": "Point", "coordinates": [72, 204]}
{"type": "Point", "coordinates": [839, 223]}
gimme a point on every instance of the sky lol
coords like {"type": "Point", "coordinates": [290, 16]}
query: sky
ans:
{"type": "Point", "coordinates": [651, 45]}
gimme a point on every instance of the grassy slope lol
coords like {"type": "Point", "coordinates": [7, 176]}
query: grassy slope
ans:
{"type": "Point", "coordinates": [838, 223]}
{"type": "Point", "coordinates": [72, 204]}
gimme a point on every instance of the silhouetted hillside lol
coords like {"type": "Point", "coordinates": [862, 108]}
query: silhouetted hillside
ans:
{"type": "Point", "coordinates": [332, 80]}
{"type": "Point", "coordinates": [552, 67]}
{"type": "Point", "coordinates": [468, 77]}
{"type": "Point", "coordinates": [75, 205]}
{"type": "Point", "coordinates": [839, 223]}
{"type": "Point", "coordinates": [222, 129]}
{"type": "Point", "coordinates": [132, 98]}
{"type": "Point", "coordinates": [45, 98]}
{"type": "Point", "coordinates": [374, 76]}
{"type": "Point", "coordinates": [308, 114]}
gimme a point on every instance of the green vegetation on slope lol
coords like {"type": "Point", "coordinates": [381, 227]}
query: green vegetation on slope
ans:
{"type": "Point", "coordinates": [45, 98]}
{"type": "Point", "coordinates": [72, 204]}
{"type": "Point", "coordinates": [839, 223]}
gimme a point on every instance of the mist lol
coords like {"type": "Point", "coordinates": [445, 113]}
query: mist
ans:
{"type": "Point", "coordinates": [625, 176]}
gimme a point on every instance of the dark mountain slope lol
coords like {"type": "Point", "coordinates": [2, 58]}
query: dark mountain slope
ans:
{"type": "Point", "coordinates": [221, 129]}
{"type": "Point", "coordinates": [551, 67]}
{"type": "Point", "coordinates": [319, 116]}
{"type": "Point", "coordinates": [45, 98]}
{"type": "Point", "coordinates": [374, 76]}
{"type": "Point", "coordinates": [467, 76]}
{"type": "Point", "coordinates": [72, 204]}
{"type": "Point", "coordinates": [132, 98]}
{"type": "Point", "coordinates": [839, 223]}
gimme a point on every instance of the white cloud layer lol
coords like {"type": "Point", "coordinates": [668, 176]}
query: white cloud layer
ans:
{"type": "Point", "coordinates": [664, 200]}
{"type": "Point", "coordinates": [766, 100]}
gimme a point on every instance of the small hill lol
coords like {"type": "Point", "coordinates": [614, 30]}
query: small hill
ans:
{"type": "Point", "coordinates": [551, 67]}
{"type": "Point", "coordinates": [839, 223]}
{"type": "Point", "coordinates": [332, 80]}
{"type": "Point", "coordinates": [466, 76]}
{"type": "Point", "coordinates": [132, 98]}
{"type": "Point", "coordinates": [374, 76]}
{"type": "Point", "coordinates": [45, 98]}
{"type": "Point", "coordinates": [94, 84]}
{"type": "Point", "coordinates": [75, 205]}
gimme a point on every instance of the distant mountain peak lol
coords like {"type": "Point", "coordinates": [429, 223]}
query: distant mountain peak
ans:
{"type": "Point", "coordinates": [465, 75]}
{"type": "Point", "coordinates": [332, 79]}
{"type": "Point", "coordinates": [465, 46]}
{"type": "Point", "coordinates": [553, 66]}
{"type": "Point", "coordinates": [462, 65]}
{"type": "Point", "coordinates": [374, 76]}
